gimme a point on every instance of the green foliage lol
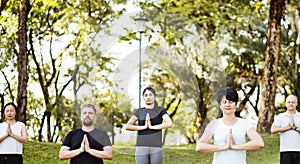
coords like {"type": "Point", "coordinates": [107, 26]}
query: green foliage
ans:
{"type": "Point", "coordinates": [245, 30]}
{"type": "Point", "coordinates": [191, 33]}
{"type": "Point", "coordinates": [245, 54]}
{"type": "Point", "coordinates": [214, 17]}
{"type": "Point", "coordinates": [115, 107]}
{"type": "Point", "coordinates": [60, 35]}
{"type": "Point", "coordinates": [194, 72]}
{"type": "Point", "coordinates": [8, 38]}
{"type": "Point", "coordinates": [246, 49]}
{"type": "Point", "coordinates": [289, 66]}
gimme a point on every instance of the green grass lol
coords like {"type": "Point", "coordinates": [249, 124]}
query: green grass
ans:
{"type": "Point", "coordinates": [47, 153]}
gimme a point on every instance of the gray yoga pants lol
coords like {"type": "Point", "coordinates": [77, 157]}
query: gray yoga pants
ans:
{"type": "Point", "coordinates": [148, 155]}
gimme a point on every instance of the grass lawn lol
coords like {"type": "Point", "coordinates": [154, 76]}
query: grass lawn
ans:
{"type": "Point", "coordinates": [47, 153]}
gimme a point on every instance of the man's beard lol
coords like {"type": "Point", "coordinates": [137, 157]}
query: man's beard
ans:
{"type": "Point", "coordinates": [88, 123]}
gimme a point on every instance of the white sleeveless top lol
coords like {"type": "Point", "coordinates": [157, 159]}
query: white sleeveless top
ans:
{"type": "Point", "coordinates": [10, 145]}
{"type": "Point", "coordinates": [239, 134]}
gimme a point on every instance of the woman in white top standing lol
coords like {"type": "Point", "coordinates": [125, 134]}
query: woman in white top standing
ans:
{"type": "Point", "coordinates": [229, 133]}
{"type": "Point", "coordinates": [12, 136]}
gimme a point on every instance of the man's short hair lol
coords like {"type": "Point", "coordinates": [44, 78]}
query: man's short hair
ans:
{"type": "Point", "coordinates": [89, 106]}
{"type": "Point", "coordinates": [296, 98]}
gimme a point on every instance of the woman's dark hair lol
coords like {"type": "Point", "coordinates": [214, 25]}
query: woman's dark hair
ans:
{"type": "Point", "coordinates": [16, 109]}
{"type": "Point", "coordinates": [230, 94]}
{"type": "Point", "coordinates": [154, 93]}
{"type": "Point", "coordinates": [149, 89]}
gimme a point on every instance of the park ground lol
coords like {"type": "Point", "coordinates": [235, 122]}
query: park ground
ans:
{"type": "Point", "coordinates": [47, 153]}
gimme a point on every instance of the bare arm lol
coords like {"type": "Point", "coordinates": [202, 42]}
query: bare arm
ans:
{"type": "Point", "coordinates": [209, 148]}
{"type": "Point", "coordinates": [278, 129]}
{"type": "Point", "coordinates": [256, 142]}
{"type": "Point", "coordinates": [107, 153]}
{"type": "Point", "coordinates": [204, 145]}
{"type": "Point", "coordinates": [65, 152]}
{"type": "Point", "coordinates": [167, 123]}
{"type": "Point", "coordinates": [131, 124]}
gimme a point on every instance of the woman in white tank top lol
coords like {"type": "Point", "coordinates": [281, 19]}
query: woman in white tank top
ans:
{"type": "Point", "coordinates": [12, 136]}
{"type": "Point", "coordinates": [229, 133]}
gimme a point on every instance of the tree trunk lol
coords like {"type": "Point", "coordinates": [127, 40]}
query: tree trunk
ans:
{"type": "Point", "coordinates": [298, 87]}
{"type": "Point", "coordinates": [40, 138]}
{"type": "Point", "coordinates": [2, 105]}
{"type": "Point", "coordinates": [245, 100]}
{"type": "Point", "coordinates": [3, 5]}
{"type": "Point", "coordinates": [268, 93]}
{"type": "Point", "coordinates": [171, 116]}
{"type": "Point", "coordinates": [77, 85]}
{"type": "Point", "coordinates": [202, 110]}
{"type": "Point", "coordinates": [48, 116]}
{"type": "Point", "coordinates": [23, 60]}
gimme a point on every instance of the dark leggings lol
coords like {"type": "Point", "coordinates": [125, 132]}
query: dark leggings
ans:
{"type": "Point", "coordinates": [11, 159]}
{"type": "Point", "coordinates": [290, 157]}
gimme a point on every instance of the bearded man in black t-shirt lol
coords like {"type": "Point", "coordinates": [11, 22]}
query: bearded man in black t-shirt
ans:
{"type": "Point", "coordinates": [88, 144]}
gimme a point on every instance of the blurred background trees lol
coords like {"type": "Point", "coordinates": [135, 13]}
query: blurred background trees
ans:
{"type": "Point", "coordinates": [51, 61]}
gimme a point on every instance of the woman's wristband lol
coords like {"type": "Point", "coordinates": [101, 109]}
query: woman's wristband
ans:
{"type": "Point", "coordinates": [295, 128]}
{"type": "Point", "coordinates": [80, 151]}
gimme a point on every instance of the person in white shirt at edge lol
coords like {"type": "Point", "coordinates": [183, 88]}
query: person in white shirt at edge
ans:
{"type": "Point", "coordinates": [12, 136]}
{"type": "Point", "coordinates": [229, 133]}
{"type": "Point", "coordinates": [288, 125]}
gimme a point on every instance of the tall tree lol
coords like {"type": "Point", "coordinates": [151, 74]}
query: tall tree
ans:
{"type": "Point", "coordinates": [23, 59]}
{"type": "Point", "coordinates": [289, 67]}
{"type": "Point", "coordinates": [115, 110]}
{"type": "Point", "coordinates": [210, 20]}
{"type": "Point", "coordinates": [268, 93]}
{"type": "Point", "coordinates": [48, 59]}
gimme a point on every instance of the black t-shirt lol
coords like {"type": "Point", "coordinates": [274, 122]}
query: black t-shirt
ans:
{"type": "Point", "coordinates": [150, 137]}
{"type": "Point", "coordinates": [97, 140]}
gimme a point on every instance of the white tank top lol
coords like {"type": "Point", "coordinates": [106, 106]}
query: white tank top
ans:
{"type": "Point", "coordinates": [10, 145]}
